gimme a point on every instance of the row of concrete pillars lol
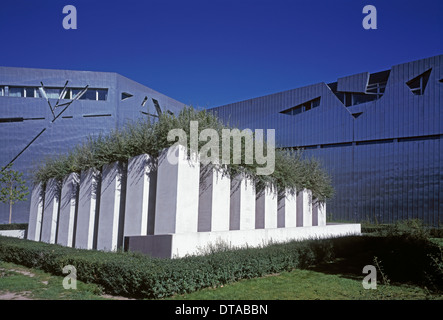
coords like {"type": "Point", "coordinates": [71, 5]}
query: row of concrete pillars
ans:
{"type": "Point", "coordinates": [97, 209]}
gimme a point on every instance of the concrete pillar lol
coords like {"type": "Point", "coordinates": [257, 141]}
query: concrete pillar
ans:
{"type": "Point", "coordinates": [214, 200]}
{"type": "Point", "coordinates": [87, 208]}
{"type": "Point", "coordinates": [304, 208]}
{"type": "Point", "coordinates": [140, 196]}
{"type": "Point", "coordinates": [68, 209]}
{"type": "Point", "coordinates": [50, 211]}
{"type": "Point", "coordinates": [287, 210]}
{"type": "Point", "coordinates": [266, 209]}
{"type": "Point", "coordinates": [318, 213]}
{"type": "Point", "coordinates": [111, 216]}
{"type": "Point", "coordinates": [176, 207]}
{"type": "Point", "coordinates": [242, 207]}
{"type": "Point", "coordinates": [35, 213]}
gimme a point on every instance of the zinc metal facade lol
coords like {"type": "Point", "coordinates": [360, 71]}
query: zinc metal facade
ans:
{"type": "Point", "coordinates": [29, 131]}
{"type": "Point", "coordinates": [378, 135]}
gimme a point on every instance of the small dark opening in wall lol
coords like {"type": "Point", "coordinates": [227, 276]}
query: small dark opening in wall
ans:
{"type": "Point", "coordinates": [5, 120]}
{"type": "Point", "coordinates": [370, 142]}
{"type": "Point", "coordinates": [157, 106]}
{"type": "Point", "coordinates": [126, 95]}
{"type": "Point", "coordinates": [144, 101]}
{"type": "Point", "coordinates": [337, 145]}
{"type": "Point", "coordinates": [356, 115]}
{"type": "Point", "coordinates": [430, 137]}
{"type": "Point", "coordinates": [26, 119]}
{"type": "Point", "coordinates": [96, 115]}
{"type": "Point", "coordinates": [418, 84]}
{"type": "Point", "coordinates": [306, 106]}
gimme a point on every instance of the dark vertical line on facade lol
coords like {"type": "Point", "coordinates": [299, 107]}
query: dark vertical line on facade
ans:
{"type": "Point", "coordinates": [121, 226]}
{"type": "Point", "coordinates": [27, 146]}
{"type": "Point", "coordinates": [77, 201]}
{"type": "Point", "coordinates": [97, 209]}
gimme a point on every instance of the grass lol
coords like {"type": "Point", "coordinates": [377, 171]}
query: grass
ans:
{"type": "Point", "coordinates": [404, 269]}
{"type": "Point", "coordinates": [340, 279]}
{"type": "Point", "coordinates": [18, 282]}
{"type": "Point", "coordinates": [307, 285]}
{"type": "Point", "coordinates": [28, 283]}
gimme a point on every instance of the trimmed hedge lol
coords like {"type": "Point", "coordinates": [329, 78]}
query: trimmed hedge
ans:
{"type": "Point", "coordinates": [14, 226]}
{"type": "Point", "coordinates": [137, 275]}
{"type": "Point", "coordinates": [132, 274]}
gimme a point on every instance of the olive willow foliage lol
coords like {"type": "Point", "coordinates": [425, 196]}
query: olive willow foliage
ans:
{"type": "Point", "coordinates": [292, 172]}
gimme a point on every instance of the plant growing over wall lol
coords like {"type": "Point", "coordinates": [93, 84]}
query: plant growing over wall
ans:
{"type": "Point", "coordinates": [292, 172]}
{"type": "Point", "coordinates": [12, 187]}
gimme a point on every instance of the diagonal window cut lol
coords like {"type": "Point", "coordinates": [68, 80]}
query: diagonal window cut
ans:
{"type": "Point", "coordinates": [418, 84]}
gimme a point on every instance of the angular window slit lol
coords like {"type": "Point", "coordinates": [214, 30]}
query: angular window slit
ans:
{"type": "Point", "coordinates": [33, 119]}
{"type": "Point", "coordinates": [336, 145]}
{"type": "Point", "coordinates": [306, 106]}
{"type": "Point", "coordinates": [418, 84]}
{"type": "Point", "coordinates": [96, 115]}
{"type": "Point", "coordinates": [5, 120]}
{"type": "Point", "coordinates": [126, 95]}
{"type": "Point", "coordinates": [144, 101]}
{"type": "Point", "coordinates": [157, 106]}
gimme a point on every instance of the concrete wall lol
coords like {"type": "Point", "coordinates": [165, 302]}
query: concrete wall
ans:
{"type": "Point", "coordinates": [13, 233]}
{"type": "Point", "coordinates": [181, 244]}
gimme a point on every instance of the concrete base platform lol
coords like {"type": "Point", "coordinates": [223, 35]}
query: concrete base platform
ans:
{"type": "Point", "coordinates": [179, 245]}
{"type": "Point", "coordinates": [21, 234]}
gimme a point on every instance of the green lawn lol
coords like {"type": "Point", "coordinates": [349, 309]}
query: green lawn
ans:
{"type": "Point", "coordinates": [21, 282]}
{"type": "Point", "coordinates": [307, 285]}
{"type": "Point", "coordinates": [340, 279]}
{"type": "Point", "coordinates": [18, 282]}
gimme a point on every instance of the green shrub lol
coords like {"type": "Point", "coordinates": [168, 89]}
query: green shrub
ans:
{"type": "Point", "coordinates": [14, 226]}
{"type": "Point", "coordinates": [132, 274]}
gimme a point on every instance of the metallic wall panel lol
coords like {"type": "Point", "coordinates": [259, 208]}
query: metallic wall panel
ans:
{"type": "Point", "coordinates": [393, 168]}
{"type": "Point", "coordinates": [73, 127]}
{"type": "Point", "coordinates": [354, 83]}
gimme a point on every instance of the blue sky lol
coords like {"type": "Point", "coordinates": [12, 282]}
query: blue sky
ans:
{"type": "Point", "coordinates": [214, 52]}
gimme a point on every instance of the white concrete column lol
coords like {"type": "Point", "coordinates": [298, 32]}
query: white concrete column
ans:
{"type": "Point", "coordinates": [266, 209]}
{"type": "Point", "coordinates": [287, 210]}
{"type": "Point", "coordinates": [110, 236]}
{"type": "Point", "coordinates": [176, 207]}
{"type": "Point", "coordinates": [35, 213]}
{"type": "Point", "coordinates": [87, 208]}
{"type": "Point", "coordinates": [304, 208]}
{"type": "Point", "coordinates": [214, 200]}
{"type": "Point", "coordinates": [50, 211]}
{"type": "Point", "coordinates": [242, 207]}
{"type": "Point", "coordinates": [318, 213]}
{"type": "Point", "coordinates": [68, 208]}
{"type": "Point", "coordinates": [140, 196]}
